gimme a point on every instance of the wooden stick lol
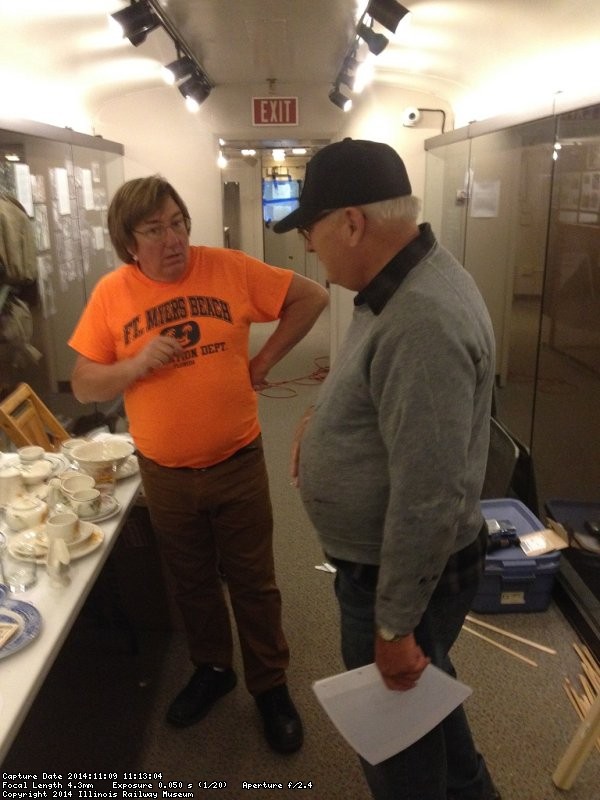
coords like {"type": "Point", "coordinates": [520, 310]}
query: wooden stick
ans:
{"type": "Point", "coordinates": [511, 635]}
{"type": "Point", "coordinates": [593, 677]}
{"type": "Point", "coordinates": [578, 750]}
{"type": "Point", "coordinates": [573, 698]}
{"type": "Point", "coordinates": [587, 658]}
{"type": "Point", "coordinates": [499, 646]}
{"type": "Point", "coordinates": [580, 704]}
{"type": "Point", "coordinates": [587, 688]}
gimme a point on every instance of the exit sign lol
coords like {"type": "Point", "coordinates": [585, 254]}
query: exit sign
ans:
{"type": "Point", "coordinates": [275, 111]}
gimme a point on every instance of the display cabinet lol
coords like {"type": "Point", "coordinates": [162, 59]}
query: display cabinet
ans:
{"type": "Point", "coordinates": [519, 204]}
{"type": "Point", "coordinates": [63, 180]}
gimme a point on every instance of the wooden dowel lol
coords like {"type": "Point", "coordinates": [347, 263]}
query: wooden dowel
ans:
{"type": "Point", "coordinates": [587, 688]}
{"type": "Point", "coordinates": [587, 658]}
{"type": "Point", "coordinates": [578, 750]}
{"type": "Point", "coordinates": [573, 699]}
{"type": "Point", "coordinates": [499, 646]}
{"type": "Point", "coordinates": [510, 635]}
{"type": "Point", "coordinates": [592, 676]}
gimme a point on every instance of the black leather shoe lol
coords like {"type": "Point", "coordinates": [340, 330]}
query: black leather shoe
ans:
{"type": "Point", "coordinates": [282, 723]}
{"type": "Point", "coordinates": [204, 689]}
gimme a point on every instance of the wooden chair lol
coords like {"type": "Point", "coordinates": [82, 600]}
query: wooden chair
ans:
{"type": "Point", "coordinates": [25, 419]}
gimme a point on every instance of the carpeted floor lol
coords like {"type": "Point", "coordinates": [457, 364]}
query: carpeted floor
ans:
{"type": "Point", "coordinates": [102, 706]}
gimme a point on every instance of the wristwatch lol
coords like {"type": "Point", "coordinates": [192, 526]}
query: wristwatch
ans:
{"type": "Point", "coordinates": [388, 635]}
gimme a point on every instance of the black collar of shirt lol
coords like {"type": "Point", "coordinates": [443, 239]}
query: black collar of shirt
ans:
{"type": "Point", "coordinates": [378, 291]}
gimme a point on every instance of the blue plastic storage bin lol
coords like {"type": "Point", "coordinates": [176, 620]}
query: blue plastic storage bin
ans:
{"type": "Point", "coordinates": [512, 581]}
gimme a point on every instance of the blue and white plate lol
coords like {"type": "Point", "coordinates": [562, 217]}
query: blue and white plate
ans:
{"type": "Point", "coordinates": [29, 619]}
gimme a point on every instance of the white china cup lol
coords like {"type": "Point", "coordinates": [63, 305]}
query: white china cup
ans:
{"type": "Point", "coordinates": [86, 502]}
{"type": "Point", "coordinates": [76, 483]}
{"type": "Point", "coordinates": [30, 453]}
{"type": "Point", "coordinates": [62, 525]}
{"type": "Point", "coordinates": [11, 484]}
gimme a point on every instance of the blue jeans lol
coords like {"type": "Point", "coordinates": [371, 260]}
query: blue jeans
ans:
{"type": "Point", "coordinates": [444, 764]}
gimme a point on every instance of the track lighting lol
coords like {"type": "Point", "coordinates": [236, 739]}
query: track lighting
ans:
{"type": "Point", "coordinates": [376, 42]}
{"type": "Point", "coordinates": [387, 12]}
{"type": "Point", "coordinates": [354, 74]}
{"type": "Point", "coordinates": [195, 91]}
{"type": "Point", "coordinates": [136, 21]}
{"type": "Point", "coordinates": [340, 100]}
{"type": "Point", "coordinates": [142, 16]}
{"type": "Point", "coordinates": [177, 70]}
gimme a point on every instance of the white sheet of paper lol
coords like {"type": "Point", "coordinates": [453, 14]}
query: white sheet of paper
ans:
{"type": "Point", "coordinates": [378, 722]}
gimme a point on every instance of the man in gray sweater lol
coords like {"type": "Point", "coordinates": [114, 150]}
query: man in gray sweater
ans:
{"type": "Point", "coordinates": [390, 462]}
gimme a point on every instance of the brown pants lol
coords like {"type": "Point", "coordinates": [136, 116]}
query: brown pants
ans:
{"type": "Point", "coordinates": [222, 515]}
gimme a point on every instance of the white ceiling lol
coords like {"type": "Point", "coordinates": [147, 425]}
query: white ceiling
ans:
{"type": "Point", "coordinates": [482, 57]}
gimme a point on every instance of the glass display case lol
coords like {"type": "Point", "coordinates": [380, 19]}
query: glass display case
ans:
{"type": "Point", "coordinates": [63, 181]}
{"type": "Point", "coordinates": [519, 205]}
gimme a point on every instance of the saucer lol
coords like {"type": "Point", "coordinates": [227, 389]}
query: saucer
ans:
{"type": "Point", "coordinates": [37, 538]}
{"type": "Point", "coordinates": [109, 507]}
{"type": "Point", "coordinates": [92, 539]}
{"type": "Point", "coordinates": [30, 624]}
{"type": "Point", "coordinates": [58, 462]}
{"type": "Point", "coordinates": [84, 531]}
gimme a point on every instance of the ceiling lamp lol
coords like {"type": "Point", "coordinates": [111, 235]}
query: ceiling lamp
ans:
{"type": "Point", "coordinates": [136, 21]}
{"type": "Point", "coordinates": [195, 92]}
{"type": "Point", "coordinates": [177, 70]}
{"type": "Point", "coordinates": [340, 100]}
{"type": "Point", "coordinates": [387, 12]}
{"type": "Point", "coordinates": [376, 42]}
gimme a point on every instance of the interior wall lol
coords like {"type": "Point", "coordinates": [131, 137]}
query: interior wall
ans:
{"type": "Point", "coordinates": [160, 135]}
{"type": "Point", "coordinates": [377, 115]}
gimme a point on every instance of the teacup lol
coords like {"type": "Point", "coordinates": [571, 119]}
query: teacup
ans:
{"type": "Point", "coordinates": [86, 502]}
{"type": "Point", "coordinates": [30, 453]}
{"type": "Point", "coordinates": [25, 512]}
{"type": "Point", "coordinates": [76, 483]}
{"type": "Point", "coordinates": [11, 484]}
{"type": "Point", "coordinates": [62, 525]}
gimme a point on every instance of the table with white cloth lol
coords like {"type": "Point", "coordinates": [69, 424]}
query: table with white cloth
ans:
{"type": "Point", "coordinates": [22, 673]}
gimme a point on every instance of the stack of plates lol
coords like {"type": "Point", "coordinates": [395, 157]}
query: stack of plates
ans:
{"type": "Point", "coordinates": [89, 537]}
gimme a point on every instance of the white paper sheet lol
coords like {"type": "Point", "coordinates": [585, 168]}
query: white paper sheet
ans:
{"type": "Point", "coordinates": [378, 722]}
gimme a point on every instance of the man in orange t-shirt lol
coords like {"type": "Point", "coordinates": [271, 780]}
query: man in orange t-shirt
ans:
{"type": "Point", "coordinates": [169, 330]}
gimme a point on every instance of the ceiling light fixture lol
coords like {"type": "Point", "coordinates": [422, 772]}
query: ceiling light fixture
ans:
{"type": "Point", "coordinates": [177, 70]}
{"type": "Point", "coordinates": [142, 16]}
{"type": "Point", "coordinates": [340, 100]}
{"type": "Point", "coordinates": [135, 21]}
{"type": "Point", "coordinates": [387, 13]}
{"type": "Point", "coordinates": [376, 42]}
{"type": "Point", "coordinates": [195, 91]}
{"type": "Point", "coordinates": [354, 74]}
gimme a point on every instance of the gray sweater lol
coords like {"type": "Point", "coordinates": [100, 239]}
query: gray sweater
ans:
{"type": "Point", "coordinates": [393, 460]}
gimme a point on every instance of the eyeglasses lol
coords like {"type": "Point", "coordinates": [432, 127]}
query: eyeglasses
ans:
{"type": "Point", "coordinates": [158, 232]}
{"type": "Point", "coordinates": [307, 229]}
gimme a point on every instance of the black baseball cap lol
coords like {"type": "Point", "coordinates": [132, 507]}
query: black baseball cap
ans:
{"type": "Point", "coordinates": [352, 172]}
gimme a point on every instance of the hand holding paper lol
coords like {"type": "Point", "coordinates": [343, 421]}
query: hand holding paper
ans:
{"type": "Point", "coordinates": [378, 722]}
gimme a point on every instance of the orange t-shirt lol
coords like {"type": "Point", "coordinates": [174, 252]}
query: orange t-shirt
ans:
{"type": "Point", "coordinates": [202, 409]}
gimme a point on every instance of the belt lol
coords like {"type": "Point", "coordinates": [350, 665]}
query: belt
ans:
{"type": "Point", "coordinates": [253, 445]}
{"type": "Point", "coordinates": [365, 574]}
